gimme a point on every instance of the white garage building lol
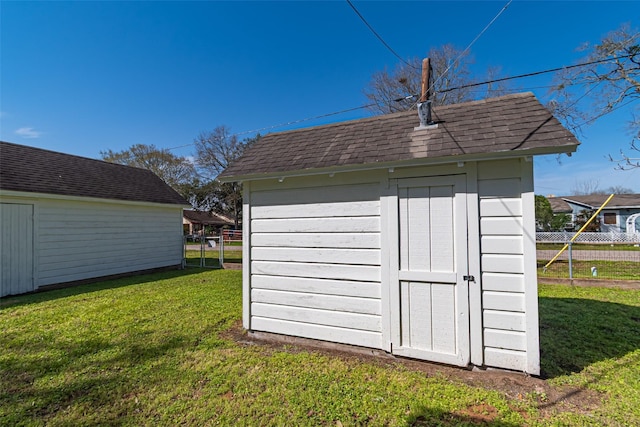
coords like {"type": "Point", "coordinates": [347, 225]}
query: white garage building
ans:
{"type": "Point", "coordinates": [66, 218]}
{"type": "Point", "coordinates": [417, 240]}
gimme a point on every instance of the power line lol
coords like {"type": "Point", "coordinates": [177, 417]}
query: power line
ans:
{"type": "Point", "coordinates": [293, 122]}
{"type": "Point", "coordinates": [552, 70]}
{"type": "Point", "coordinates": [470, 44]}
{"type": "Point", "coordinates": [378, 35]}
{"type": "Point", "coordinates": [306, 119]}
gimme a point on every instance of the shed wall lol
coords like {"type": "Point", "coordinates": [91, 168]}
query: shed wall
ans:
{"type": "Point", "coordinates": [321, 266]}
{"type": "Point", "coordinates": [315, 262]}
{"type": "Point", "coordinates": [505, 227]}
{"type": "Point", "coordinates": [77, 240]}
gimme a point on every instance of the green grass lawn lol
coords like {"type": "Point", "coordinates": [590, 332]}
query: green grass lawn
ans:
{"type": "Point", "coordinates": [158, 350]}
{"type": "Point", "coordinates": [612, 270]}
{"type": "Point", "coordinates": [212, 257]}
{"type": "Point", "coordinates": [590, 247]}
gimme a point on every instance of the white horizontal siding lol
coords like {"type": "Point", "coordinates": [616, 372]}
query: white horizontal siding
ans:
{"type": "Point", "coordinates": [317, 225]}
{"type": "Point", "coordinates": [318, 286]}
{"type": "Point", "coordinates": [366, 273]}
{"type": "Point", "coordinates": [316, 210]}
{"type": "Point", "coordinates": [323, 302]}
{"type": "Point", "coordinates": [507, 340]}
{"type": "Point", "coordinates": [317, 255]}
{"type": "Point", "coordinates": [499, 207]}
{"type": "Point", "coordinates": [503, 301]}
{"type": "Point", "coordinates": [320, 240]}
{"type": "Point", "coordinates": [318, 332]}
{"type": "Point", "coordinates": [507, 359]}
{"type": "Point", "coordinates": [505, 320]}
{"type": "Point", "coordinates": [505, 188]}
{"type": "Point", "coordinates": [354, 198]}
{"type": "Point", "coordinates": [503, 282]}
{"type": "Point", "coordinates": [509, 245]}
{"type": "Point", "coordinates": [502, 261]}
{"type": "Point", "coordinates": [79, 240]}
{"type": "Point", "coordinates": [364, 322]}
{"type": "Point", "coordinates": [501, 226]}
{"type": "Point", "coordinates": [316, 262]}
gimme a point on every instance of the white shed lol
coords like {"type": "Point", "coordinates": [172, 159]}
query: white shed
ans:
{"type": "Point", "coordinates": [65, 219]}
{"type": "Point", "coordinates": [419, 241]}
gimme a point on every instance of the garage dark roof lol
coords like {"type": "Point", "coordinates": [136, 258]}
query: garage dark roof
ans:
{"type": "Point", "coordinates": [34, 170]}
{"type": "Point", "coordinates": [508, 124]}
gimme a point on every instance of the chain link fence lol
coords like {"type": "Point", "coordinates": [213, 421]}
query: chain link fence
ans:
{"type": "Point", "coordinates": [604, 256]}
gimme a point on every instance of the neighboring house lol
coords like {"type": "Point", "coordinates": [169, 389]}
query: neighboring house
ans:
{"type": "Point", "coordinates": [417, 240]}
{"type": "Point", "coordinates": [66, 218]}
{"type": "Point", "coordinates": [560, 207]}
{"type": "Point", "coordinates": [196, 221]}
{"type": "Point", "coordinates": [621, 214]}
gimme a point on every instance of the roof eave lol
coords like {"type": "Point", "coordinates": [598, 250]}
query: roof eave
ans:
{"type": "Point", "coordinates": [37, 195]}
{"type": "Point", "coordinates": [422, 161]}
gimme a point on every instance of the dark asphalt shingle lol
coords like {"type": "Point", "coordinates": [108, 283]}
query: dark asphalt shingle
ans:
{"type": "Point", "coordinates": [509, 123]}
{"type": "Point", "coordinates": [35, 170]}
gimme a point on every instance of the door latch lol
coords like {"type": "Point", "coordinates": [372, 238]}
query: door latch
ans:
{"type": "Point", "coordinates": [469, 278]}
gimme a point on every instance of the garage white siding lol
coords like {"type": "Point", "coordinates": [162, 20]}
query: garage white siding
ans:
{"type": "Point", "coordinates": [316, 264]}
{"type": "Point", "coordinates": [16, 248]}
{"type": "Point", "coordinates": [504, 229]}
{"type": "Point", "coordinates": [78, 240]}
{"type": "Point", "coordinates": [72, 240]}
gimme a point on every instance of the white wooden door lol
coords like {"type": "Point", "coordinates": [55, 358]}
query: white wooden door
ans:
{"type": "Point", "coordinates": [16, 249]}
{"type": "Point", "coordinates": [432, 290]}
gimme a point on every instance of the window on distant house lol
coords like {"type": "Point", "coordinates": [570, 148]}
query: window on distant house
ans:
{"type": "Point", "coordinates": [610, 218]}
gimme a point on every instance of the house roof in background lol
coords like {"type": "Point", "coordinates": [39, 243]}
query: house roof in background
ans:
{"type": "Point", "coordinates": [512, 125]}
{"type": "Point", "coordinates": [594, 201]}
{"type": "Point", "coordinates": [207, 218]}
{"type": "Point", "coordinates": [558, 205]}
{"type": "Point", "coordinates": [33, 170]}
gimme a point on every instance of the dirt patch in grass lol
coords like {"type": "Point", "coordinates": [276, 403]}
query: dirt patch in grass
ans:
{"type": "Point", "coordinates": [550, 400]}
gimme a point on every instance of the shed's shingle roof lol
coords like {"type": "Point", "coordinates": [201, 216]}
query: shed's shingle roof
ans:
{"type": "Point", "coordinates": [498, 125]}
{"type": "Point", "coordinates": [34, 170]}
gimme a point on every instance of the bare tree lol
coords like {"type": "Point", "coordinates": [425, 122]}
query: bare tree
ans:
{"type": "Point", "coordinates": [619, 189]}
{"type": "Point", "coordinates": [586, 187]}
{"type": "Point", "coordinates": [176, 171]}
{"type": "Point", "coordinates": [450, 73]}
{"type": "Point", "coordinates": [215, 151]}
{"type": "Point", "coordinates": [610, 81]}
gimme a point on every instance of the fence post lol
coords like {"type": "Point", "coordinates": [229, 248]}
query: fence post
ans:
{"type": "Point", "coordinates": [570, 260]}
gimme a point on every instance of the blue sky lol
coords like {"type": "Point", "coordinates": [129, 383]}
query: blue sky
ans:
{"type": "Point", "coordinates": [84, 77]}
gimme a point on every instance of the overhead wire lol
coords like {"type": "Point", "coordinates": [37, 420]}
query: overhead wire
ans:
{"type": "Point", "coordinates": [535, 73]}
{"type": "Point", "coordinates": [293, 122]}
{"type": "Point", "coordinates": [375, 33]}
{"type": "Point", "coordinates": [484, 30]}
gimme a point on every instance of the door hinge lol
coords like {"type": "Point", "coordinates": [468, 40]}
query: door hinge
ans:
{"type": "Point", "coordinates": [469, 278]}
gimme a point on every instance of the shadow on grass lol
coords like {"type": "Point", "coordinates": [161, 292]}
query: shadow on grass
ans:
{"type": "Point", "coordinates": [478, 415]}
{"type": "Point", "coordinates": [37, 388]}
{"type": "Point", "coordinates": [84, 288]}
{"type": "Point", "coordinates": [577, 332]}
